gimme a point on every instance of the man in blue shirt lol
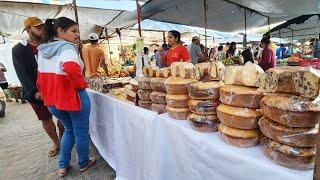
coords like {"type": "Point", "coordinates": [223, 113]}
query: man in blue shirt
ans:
{"type": "Point", "coordinates": [195, 50]}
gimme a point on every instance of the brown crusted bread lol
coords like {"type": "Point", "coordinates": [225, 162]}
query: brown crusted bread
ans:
{"type": "Point", "coordinates": [204, 90]}
{"type": "Point", "coordinates": [203, 71]}
{"type": "Point", "coordinates": [134, 84]}
{"type": "Point", "coordinates": [178, 101]}
{"type": "Point", "coordinates": [183, 70]}
{"type": "Point", "coordinates": [178, 113]}
{"type": "Point", "coordinates": [163, 72]}
{"type": "Point", "coordinates": [145, 104]}
{"type": "Point", "coordinates": [149, 71]}
{"type": "Point", "coordinates": [159, 108]}
{"type": "Point", "coordinates": [177, 85]}
{"type": "Point", "coordinates": [144, 83]}
{"type": "Point", "coordinates": [302, 81]}
{"type": "Point", "coordinates": [157, 84]}
{"type": "Point", "coordinates": [236, 117]}
{"type": "Point", "coordinates": [241, 133]}
{"type": "Point", "coordinates": [300, 137]}
{"type": "Point", "coordinates": [158, 97]}
{"type": "Point", "coordinates": [203, 107]}
{"type": "Point", "coordinates": [240, 96]}
{"type": "Point", "coordinates": [144, 94]}
{"type": "Point", "coordinates": [288, 156]}
{"type": "Point", "coordinates": [129, 91]}
{"type": "Point", "coordinates": [202, 123]}
{"type": "Point", "coordinates": [217, 71]}
{"type": "Point", "coordinates": [290, 110]}
{"type": "Point", "coordinates": [131, 99]}
{"type": "Point", "coordinates": [240, 142]}
{"type": "Point", "coordinates": [246, 75]}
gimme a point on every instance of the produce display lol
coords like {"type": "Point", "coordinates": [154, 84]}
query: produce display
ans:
{"type": "Point", "coordinates": [232, 60]}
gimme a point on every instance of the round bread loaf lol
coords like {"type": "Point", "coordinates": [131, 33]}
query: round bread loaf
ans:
{"type": "Point", "coordinates": [145, 104]}
{"type": "Point", "coordinates": [203, 107]}
{"type": "Point", "coordinates": [131, 99]}
{"type": "Point", "coordinates": [178, 101]}
{"type": "Point", "coordinates": [159, 108]}
{"type": "Point", "coordinates": [144, 83]}
{"type": "Point", "coordinates": [240, 96]}
{"type": "Point", "coordinates": [241, 133]}
{"type": "Point", "coordinates": [236, 117]}
{"type": "Point", "coordinates": [204, 90]}
{"type": "Point", "coordinates": [134, 84]}
{"type": "Point", "coordinates": [177, 85]}
{"type": "Point", "coordinates": [300, 137]}
{"type": "Point", "coordinates": [157, 84]}
{"type": "Point", "coordinates": [288, 156]}
{"type": "Point", "coordinates": [240, 142]}
{"type": "Point", "coordinates": [202, 123]}
{"type": "Point", "coordinates": [158, 97]}
{"type": "Point", "coordinates": [178, 113]}
{"type": "Point", "coordinates": [289, 110]}
{"type": "Point", "coordinates": [144, 94]}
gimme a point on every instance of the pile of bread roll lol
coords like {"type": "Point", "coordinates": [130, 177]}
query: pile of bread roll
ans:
{"type": "Point", "coordinates": [131, 90]}
{"type": "Point", "coordinates": [204, 96]}
{"type": "Point", "coordinates": [144, 92]}
{"type": "Point", "coordinates": [291, 116]}
{"type": "Point", "coordinates": [239, 111]}
{"type": "Point", "coordinates": [158, 96]}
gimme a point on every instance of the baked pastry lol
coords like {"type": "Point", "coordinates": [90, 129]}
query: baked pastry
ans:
{"type": "Point", "coordinates": [178, 101]}
{"type": "Point", "coordinates": [144, 94]}
{"type": "Point", "coordinates": [203, 107]}
{"type": "Point", "coordinates": [240, 96]}
{"type": "Point", "coordinates": [288, 156]}
{"type": "Point", "coordinates": [203, 71]}
{"type": "Point", "coordinates": [300, 137]}
{"type": "Point", "coordinates": [149, 71]}
{"type": "Point", "coordinates": [163, 72]}
{"type": "Point", "coordinates": [145, 104]}
{"type": "Point", "coordinates": [144, 83]}
{"type": "Point", "coordinates": [177, 85]}
{"type": "Point", "coordinates": [178, 113]}
{"type": "Point", "coordinates": [239, 137]}
{"type": "Point", "coordinates": [302, 81]}
{"type": "Point", "coordinates": [183, 69]}
{"type": "Point", "coordinates": [204, 90]}
{"type": "Point", "coordinates": [134, 84]}
{"type": "Point", "coordinates": [237, 117]}
{"type": "Point", "coordinates": [217, 71]}
{"type": "Point", "coordinates": [131, 95]}
{"type": "Point", "coordinates": [203, 123]}
{"type": "Point", "coordinates": [158, 97]}
{"type": "Point", "coordinates": [157, 84]}
{"type": "Point", "coordinates": [159, 108]}
{"type": "Point", "coordinates": [246, 75]}
{"type": "Point", "coordinates": [290, 110]}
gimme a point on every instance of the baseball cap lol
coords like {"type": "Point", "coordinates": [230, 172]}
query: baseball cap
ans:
{"type": "Point", "coordinates": [195, 38]}
{"type": "Point", "coordinates": [32, 21]}
{"type": "Point", "coordinates": [93, 36]}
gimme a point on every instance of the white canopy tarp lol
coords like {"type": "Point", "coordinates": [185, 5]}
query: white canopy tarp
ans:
{"type": "Point", "coordinates": [12, 15]}
{"type": "Point", "coordinates": [227, 15]}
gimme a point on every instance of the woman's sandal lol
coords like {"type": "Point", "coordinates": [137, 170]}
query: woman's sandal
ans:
{"type": "Point", "coordinates": [91, 162]}
{"type": "Point", "coordinates": [64, 171]}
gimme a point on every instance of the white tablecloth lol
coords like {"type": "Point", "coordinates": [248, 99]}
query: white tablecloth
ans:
{"type": "Point", "coordinates": [140, 145]}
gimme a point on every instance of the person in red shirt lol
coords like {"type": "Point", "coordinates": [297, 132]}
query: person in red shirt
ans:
{"type": "Point", "coordinates": [177, 51]}
{"type": "Point", "coordinates": [266, 61]}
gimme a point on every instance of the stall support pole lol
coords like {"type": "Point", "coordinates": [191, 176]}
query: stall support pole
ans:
{"type": "Point", "coordinates": [205, 6]}
{"type": "Point", "coordinates": [77, 21]}
{"type": "Point", "coordinates": [292, 39]}
{"type": "Point", "coordinates": [268, 25]}
{"type": "Point", "coordinates": [139, 17]}
{"type": "Point", "coordinates": [164, 37]}
{"type": "Point", "coordinates": [280, 35]}
{"type": "Point", "coordinates": [245, 29]}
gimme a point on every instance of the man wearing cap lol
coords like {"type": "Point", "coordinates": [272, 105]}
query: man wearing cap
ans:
{"type": "Point", "coordinates": [93, 56]}
{"type": "Point", "coordinates": [24, 57]}
{"type": "Point", "coordinates": [195, 51]}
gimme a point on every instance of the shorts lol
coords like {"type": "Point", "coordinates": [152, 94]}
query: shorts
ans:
{"type": "Point", "coordinates": [4, 86]}
{"type": "Point", "coordinates": [42, 112]}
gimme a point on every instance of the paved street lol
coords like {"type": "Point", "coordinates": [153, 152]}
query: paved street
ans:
{"type": "Point", "coordinates": [24, 147]}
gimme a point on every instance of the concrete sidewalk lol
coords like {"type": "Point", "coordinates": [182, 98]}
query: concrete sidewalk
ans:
{"type": "Point", "coordinates": [24, 147]}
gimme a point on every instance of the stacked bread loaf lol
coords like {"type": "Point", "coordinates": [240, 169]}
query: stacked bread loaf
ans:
{"type": "Point", "coordinates": [158, 96]}
{"type": "Point", "coordinates": [144, 92]}
{"type": "Point", "coordinates": [291, 116]}
{"type": "Point", "coordinates": [177, 97]}
{"type": "Point", "coordinates": [131, 90]}
{"type": "Point", "coordinates": [205, 98]}
{"type": "Point", "coordinates": [239, 111]}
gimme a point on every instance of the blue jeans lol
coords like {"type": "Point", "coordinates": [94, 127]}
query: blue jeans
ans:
{"type": "Point", "coordinates": [76, 131]}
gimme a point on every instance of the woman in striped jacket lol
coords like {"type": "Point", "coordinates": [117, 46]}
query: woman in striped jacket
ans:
{"type": "Point", "coordinates": [62, 87]}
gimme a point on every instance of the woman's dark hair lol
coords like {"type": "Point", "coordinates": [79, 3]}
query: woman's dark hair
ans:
{"type": "Point", "coordinates": [220, 48]}
{"type": "Point", "coordinates": [266, 40]}
{"type": "Point", "coordinates": [52, 25]}
{"type": "Point", "coordinates": [247, 55]}
{"type": "Point", "coordinates": [176, 35]}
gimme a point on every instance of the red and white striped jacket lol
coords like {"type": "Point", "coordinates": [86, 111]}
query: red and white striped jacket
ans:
{"type": "Point", "coordinates": [60, 78]}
